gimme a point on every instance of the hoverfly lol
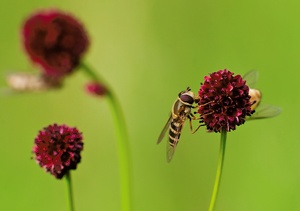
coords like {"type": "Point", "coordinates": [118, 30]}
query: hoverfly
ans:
{"type": "Point", "coordinates": [181, 110]}
{"type": "Point", "coordinates": [261, 110]}
{"type": "Point", "coordinates": [26, 82]}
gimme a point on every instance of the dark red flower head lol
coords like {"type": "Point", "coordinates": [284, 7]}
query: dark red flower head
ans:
{"type": "Point", "coordinates": [54, 40]}
{"type": "Point", "coordinates": [96, 89]}
{"type": "Point", "coordinates": [57, 149]}
{"type": "Point", "coordinates": [224, 101]}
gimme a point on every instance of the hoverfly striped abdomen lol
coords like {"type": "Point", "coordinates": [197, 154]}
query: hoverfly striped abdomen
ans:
{"type": "Point", "coordinates": [174, 132]}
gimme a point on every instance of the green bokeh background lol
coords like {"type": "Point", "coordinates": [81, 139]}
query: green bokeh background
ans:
{"type": "Point", "coordinates": [149, 51]}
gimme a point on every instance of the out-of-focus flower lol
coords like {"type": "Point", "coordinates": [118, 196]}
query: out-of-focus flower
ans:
{"type": "Point", "coordinates": [95, 88]}
{"type": "Point", "coordinates": [224, 101]}
{"type": "Point", "coordinates": [57, 149]}
{"type": "Point", "coordinates": [26, 82]}
{"type": "Point", "coordinates": [54, 40]}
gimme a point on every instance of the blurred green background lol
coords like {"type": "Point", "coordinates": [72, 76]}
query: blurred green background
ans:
{"type": "Point", "coordinates": [149, 51]}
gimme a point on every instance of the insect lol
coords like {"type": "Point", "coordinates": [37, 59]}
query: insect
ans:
{"type": "Point", "coordinates": [25, 82]}
{"type": "Point", "coordinates": [261, 110]}
{"type": "Point", "coordinates": [181, 110]}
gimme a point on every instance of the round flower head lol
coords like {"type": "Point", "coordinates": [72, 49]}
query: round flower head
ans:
{"type": "Point", "coordinates": [224, 101]}
{"type": "Point", "coordinates": [54, 40]}
{"type": "Point", "coordinates": [57, 149]}
{"type": "Point", "coordinates": [96, 89]}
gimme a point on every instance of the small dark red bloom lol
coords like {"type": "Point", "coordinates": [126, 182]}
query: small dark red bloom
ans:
{"type": "Point", "coordinates": [96, 88]}
{"type": "Point", "coordinates": [224, 101]}
{"type": "Point", "coordinates": [54, 40]}
{"type": "Point", "coordinates": [57, 149]}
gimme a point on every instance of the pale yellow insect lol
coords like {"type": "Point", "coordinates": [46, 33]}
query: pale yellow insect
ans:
{"type": "Point", "coordinates": [261, 110]}
{"type": "Point", "coordinates": [26, 82]}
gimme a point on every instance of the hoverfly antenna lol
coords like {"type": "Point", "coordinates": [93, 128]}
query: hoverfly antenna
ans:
{"type": "Point", "coordinates": [188, 89]}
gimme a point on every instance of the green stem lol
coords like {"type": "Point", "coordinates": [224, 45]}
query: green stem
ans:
{"type": "Point", "coordinates": [70, 200]}
{"type": "Point", "coordinates": [219, 170]}
{"type": "Point", "coordinates": [122, 139]}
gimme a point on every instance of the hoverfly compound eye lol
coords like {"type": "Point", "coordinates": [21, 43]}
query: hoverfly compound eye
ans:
{"type": "Point", "coordinates": [186, 98]}
{"type": "Point", "coordinates": [181, 93]}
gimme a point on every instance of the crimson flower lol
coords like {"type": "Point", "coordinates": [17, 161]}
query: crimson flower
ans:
{"type": "Point", "coordinates": [96, 89]}
{"type": "Point", "coordinates": [54, 40]}
{"type": "Point", "coordinates": [57, 149]}
{"type": "Point", "coordinates": [224, 101]}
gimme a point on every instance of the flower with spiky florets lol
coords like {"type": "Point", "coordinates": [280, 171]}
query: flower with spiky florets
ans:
{"type": "Point", "coordinates": [54, 40]}
{"type": "Point", "coordinates": [224, 101]}
{"type": "Point", "coordinates": [57, 149]}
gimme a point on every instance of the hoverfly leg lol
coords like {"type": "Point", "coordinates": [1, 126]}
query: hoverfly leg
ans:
{"type": "Point", "coordinates": [253, 102]}
{"type": "Point", "coordinates": [192, 117]}
{"type": "Point", "coordinates": [190, 120]}
{"type": "Point", "coordinates": [208, 113]}
{"type": "Point", "coordinates": [197, 106]}
{"type": "Point", "coordinates": [197, 128]}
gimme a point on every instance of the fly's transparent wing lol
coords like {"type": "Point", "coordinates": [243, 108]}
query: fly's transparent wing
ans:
{"type": "Point", "coordinates": [262, 111]}
{"type": "Point", "coordinates": [164, 130]}
{"type": "Point", "coordinates": [265, 111]}
{"type": "Point", "coordinates": [251, 78]}
{"type": "Point", "coordinates": [170, 151]}
{"type": "Point", "coordinates": [171, 147]}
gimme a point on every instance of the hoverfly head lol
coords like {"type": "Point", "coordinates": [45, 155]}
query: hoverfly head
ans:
{"type": "Point", "coordinates": [187, 97]}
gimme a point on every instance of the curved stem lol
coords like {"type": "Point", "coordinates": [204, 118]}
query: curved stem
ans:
{"type": "Point", "coordinates": [122, 139]}
{"type": "Point", "coordinates": [219, 170]}
{"type": "Point", "coordinates": [69, 192]}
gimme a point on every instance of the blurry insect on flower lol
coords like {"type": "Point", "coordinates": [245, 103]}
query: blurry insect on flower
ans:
{"type": "Point", "coordinates": [54, 40]}
{"type": "Point", "coordinates": [181, 110]}
{"type": "Point", "coordinates": [261, 110]}
{"type": "Point", "coordinates": [57, 149]}
{"type": "Point", "coordinates": [28, 82]}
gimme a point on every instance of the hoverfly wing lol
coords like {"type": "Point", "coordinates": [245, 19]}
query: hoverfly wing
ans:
{"type": "Point", "coordinates": [171, 147]}
{"type": "Point", "coordinates": [265, 111]}
{"type": "Point", "coordinates": [170, 151]}
{"type": "Point", "coordinates": [251, 78]}
{"type": "Point", "coordinates": [164, 130]}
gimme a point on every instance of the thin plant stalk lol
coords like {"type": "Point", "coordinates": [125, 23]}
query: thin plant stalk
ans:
{"type": "Point", "coordinates": [219, 170]}
{"type": "Point", "coordinates": [122, 139]}
{"type": "Point", "coordinates": [70, 200]}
